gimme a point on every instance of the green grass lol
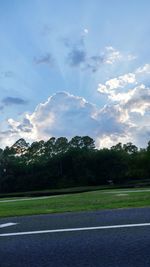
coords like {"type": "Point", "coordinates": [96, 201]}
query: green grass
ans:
{"type": "Point", "coordinates": [95, 200]}
{"type": "Point", "coordinates": [58, 191]}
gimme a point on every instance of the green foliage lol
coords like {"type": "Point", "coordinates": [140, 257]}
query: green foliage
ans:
{"type": "Point", "coordinates": [59, 163]}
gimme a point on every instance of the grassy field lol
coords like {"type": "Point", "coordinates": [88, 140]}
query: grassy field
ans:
{"type": "Point", "coordinates": [88, 201]}
{"type": "Point", "coordinates": [58, 191]}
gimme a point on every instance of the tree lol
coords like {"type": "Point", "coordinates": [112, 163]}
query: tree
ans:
{"type": "Point", "coordinates": [76, 142]}
{"type": "Point", "coordinates": [50, 147]}
{"type": "Point", "coordinates": [61, 145]}
{"type": "Point", "coordinates": [117, 147]}
{"type": "Point", "coordinates": [130, 148]}
{"type": "Point", "coordinates": [80, 142]}
{"type": "Point", "coordinates": [88, 142]}
{"type": "Point", "coordinates": [148, 146]}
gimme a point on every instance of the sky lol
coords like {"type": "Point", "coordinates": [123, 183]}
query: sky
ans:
{"type": "Point", "coordinates": [75, 68]}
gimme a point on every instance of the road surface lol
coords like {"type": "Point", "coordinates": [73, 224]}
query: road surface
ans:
{"type": "Point", "coordinates": [112, 238]}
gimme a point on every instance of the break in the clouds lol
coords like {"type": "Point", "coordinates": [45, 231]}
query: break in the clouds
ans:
{"type": "Point", "coordinates": [9, 101]}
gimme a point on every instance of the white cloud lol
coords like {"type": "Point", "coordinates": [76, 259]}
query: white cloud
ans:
{"type": "Point", "coordinates": [113, 87]}
{"type": "Point", "coordinates": [61, 115]}
{"type": "Point", "coordinates": [109, 140]}
{"type": "Point", "coordinates": [125, 119]}
{"type": "Point", "coordinates": [143, 70]}
{"type": "Point", "coordinates": [112, 55]}
{"type": "Point", "coordinates": [131, 97]}
{"type": "Point", "coordinates": [67, 115]}
{"type": "Point", "coordinates": [140, 100]}
{"type": "Point", "coordinates": [118, 82]}
{"type": "Point", "coordinates": [114, 84]}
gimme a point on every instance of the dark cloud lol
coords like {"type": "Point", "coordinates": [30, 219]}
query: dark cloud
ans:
{"type": "Point", "coordinates": [44, 59]}
{"type": "Point", "coordinates": [94, 63]}
{"type": "Point", "coordinates": [24, 129]}
{"type": "Point", "coordinates": [76, 54]}
{"type": "Point", "coordinates": [66, 41]}
{"type": "Point", "coordinates": [7, 101]}
{"type": "Point", "coordinates": [6, 74]}
{"type": "Point", "coordinates": [46, 30]}
{"type": "Point", "coordinates": [76, 57]}
{"type": "Point", "coordinates": [25, 126]}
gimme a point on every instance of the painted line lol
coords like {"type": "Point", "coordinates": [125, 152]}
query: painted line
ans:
{"type": "Point", "coordinates": [7, 224]}
{"type": "Point", "coordinates": [75, 229]}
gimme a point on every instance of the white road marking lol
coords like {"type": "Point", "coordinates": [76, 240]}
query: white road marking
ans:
{"type": "Point", "coordinates": [7, 224]}
{"type": "Point", "coordinates": [75, 229]}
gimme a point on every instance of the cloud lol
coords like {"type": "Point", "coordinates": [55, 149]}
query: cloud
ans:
{"type": "Point", "coordinates": [76, 54]}
{"type": "Point", "coordinates": [67, 115]}
{"type": "Point", "coordinates": [114, 84]}
{"type": "Point", "coordinates": [111, 55]}
{"type": "Point", "coordinates": [118, 82]}
{"type": "Point", "coordinates": [94, 63]}
{"type": "Point", "coordinates": [143, 70]}
{"type": "Point", "coordinates": [121, 88]}
{"type": "Point", "coordinates": [44, 59]}
{"type": "Point", "coordinates": [25, 126]}
{"type": "Point", "coordinates": [6, 74]}
{"type": "Point", "coordinates": [108, 56]}
{"type": "Point", "coordinates": [140, 100]}
{"type": "Point", "coordinates": [46, 30]}
{"type": "Point", "coordinates": [112, 139]}
{"type": "Point", "coordinates": [76, 57]}
{"type": "Point", "coordinates": [9, 101]}
{"type": "Point", "coordinates": [130, 96]}
{"type": "Point", "coordinates": [125, 119]}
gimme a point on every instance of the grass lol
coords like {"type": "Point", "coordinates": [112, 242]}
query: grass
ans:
{"type": "Point", "coordinates": [58, 191]}
{"type": "Point", "coordinates": [87, 201]}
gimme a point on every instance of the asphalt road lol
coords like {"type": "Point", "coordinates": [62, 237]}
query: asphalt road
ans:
{"type": "Point", "coordinates": [103, 247]}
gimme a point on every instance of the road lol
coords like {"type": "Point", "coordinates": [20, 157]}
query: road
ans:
{"type": "Point", "coordinates": [112, 238]}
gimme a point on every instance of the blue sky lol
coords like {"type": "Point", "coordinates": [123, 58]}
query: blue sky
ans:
{"type": "Point", "coordinates": [75, 68]}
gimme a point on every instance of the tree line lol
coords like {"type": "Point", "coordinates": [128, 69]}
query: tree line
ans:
{"type": "Point", "coordinates": [59, 163]}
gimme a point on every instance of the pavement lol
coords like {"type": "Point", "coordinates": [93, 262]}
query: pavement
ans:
{"type": "Point", "coordinates": [115, 238]}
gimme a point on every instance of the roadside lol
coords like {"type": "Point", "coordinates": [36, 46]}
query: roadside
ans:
{"type": "Point", "coordinates": [87, 201]}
